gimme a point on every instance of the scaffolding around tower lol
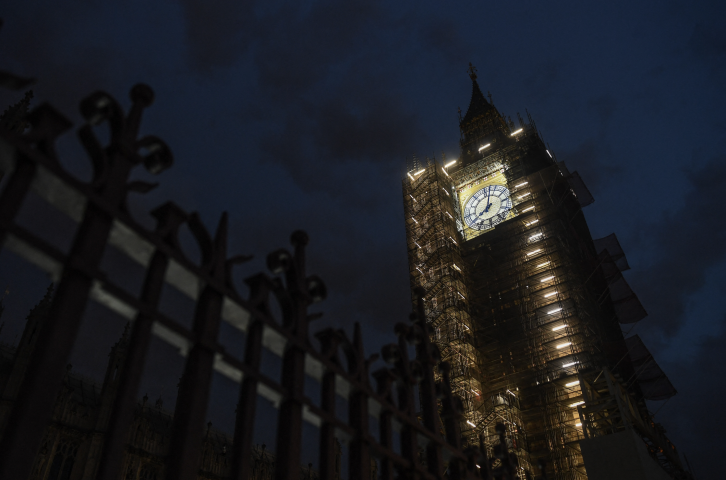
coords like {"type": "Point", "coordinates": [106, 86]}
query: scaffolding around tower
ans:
{"type": "Point", "coordinates": [521, 300]}
{"type": "Point", "coordinates": [435, 264]}
{"type": "Point", "coordinates": [434, 233]}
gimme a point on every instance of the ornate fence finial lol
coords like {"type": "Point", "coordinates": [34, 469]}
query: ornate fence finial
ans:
{"type": "Point", "coordinates": [299, 290]}
{"type": "Point", "coordinates": [356, 362]}
{"type": "Point", "coordinates": [113, 163]}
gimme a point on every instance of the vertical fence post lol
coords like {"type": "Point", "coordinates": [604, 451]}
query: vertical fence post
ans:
{"type": "Point", "coordinates": [300, 291]}
{"type": "Point", "coordinates": [169, 218]}
{"type": "Point", "coordinates": [406, 376]}
{"type": "Point", "coordinates": [358, 363]}
{"type": "Point", "coordinates": [44, 376]}
{"type": "Point", "coordinates": [242, 460]}
{"type": "Point", "coordinates": [195, 384]}
{"type": "Point", "coordinates": [360, 457]}
{"type": "Point", "coordinates": [327, 430]}
{"type": "Point", "coordinates": [246, 406]}
{"type": "Point", "coordinates": [196, 381]}
{"type": "Point", "coordinates": [429, 356]}
{"type": "Point", "coordinates": [289, 426]}
{"type": "Point", "coordinates": [384, 379]}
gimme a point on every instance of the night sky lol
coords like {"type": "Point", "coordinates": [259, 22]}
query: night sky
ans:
{"type": "Point", "coordinates": [299, 114]}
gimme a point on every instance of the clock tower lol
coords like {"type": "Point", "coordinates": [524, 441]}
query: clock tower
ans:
{"type": "Point", "coordinates": [522, 302]}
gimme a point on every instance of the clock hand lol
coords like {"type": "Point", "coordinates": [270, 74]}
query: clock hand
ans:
{"type": "Point", "coordinates": [489, 196]}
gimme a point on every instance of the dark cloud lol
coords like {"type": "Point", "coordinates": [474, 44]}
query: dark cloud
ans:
{"type": "Point", "coordinates": [605, 106]}
{"type": "Point", "coordinates": [708, 45]}
{"type": "Point", "coordinates": [218, 33]}
{"type": "Point", "coordinates": [706, 42]}
{"type": "Point", "coordinates": [685, 243]}
{"type": "Point", "coordinates": [593, 159]}
{"type": "Point", "coordinates": [325, 146]}
{"type": "Point", "coordinates": [542, 82]}
{"type": "Point", "coordinates": [444, 37]}
{"type": "Point", "coordinates": [62, 76]}
{"type": "Point", "coordinates": [298, 46]}
{"type": "Point", "coordinates": [693, 417]}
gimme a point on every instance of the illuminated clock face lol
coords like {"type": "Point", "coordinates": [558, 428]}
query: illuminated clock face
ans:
{"type": "Point", "coordinates": [487, 207]}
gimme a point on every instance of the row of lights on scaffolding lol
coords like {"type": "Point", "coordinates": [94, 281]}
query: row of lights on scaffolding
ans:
{"type": "Point", "coordinates": [516, 132]}
{"type": "Point", "coordinates": [416, 174]}
{"type": "Point", "coordinates": [553, 311]}
{"type": "Point", "coordinates": [576, 404]}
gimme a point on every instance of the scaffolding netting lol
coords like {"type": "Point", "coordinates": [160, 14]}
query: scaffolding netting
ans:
{"type": "Point", "coordinates": [612, 245]}
{"type": "Point", "coordinates": [654, 383]}
{"type": "Point", "coordinates": [584, 197]}
{"type": "Point", "coordinates": [613, 262]}
{"type": "Point", "coordinates": [626, 302]}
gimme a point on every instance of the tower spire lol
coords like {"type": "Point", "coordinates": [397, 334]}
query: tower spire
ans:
{"type": "Point", "coordinates": [478, 104]}
{"type": "Point", "coordinates": [482, 123]}
{"type": "Point", "coordinates": [472, 72]}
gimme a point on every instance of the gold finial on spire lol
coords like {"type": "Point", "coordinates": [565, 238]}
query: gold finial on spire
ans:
{"type": "Point", "coordinates": [472, 71]}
